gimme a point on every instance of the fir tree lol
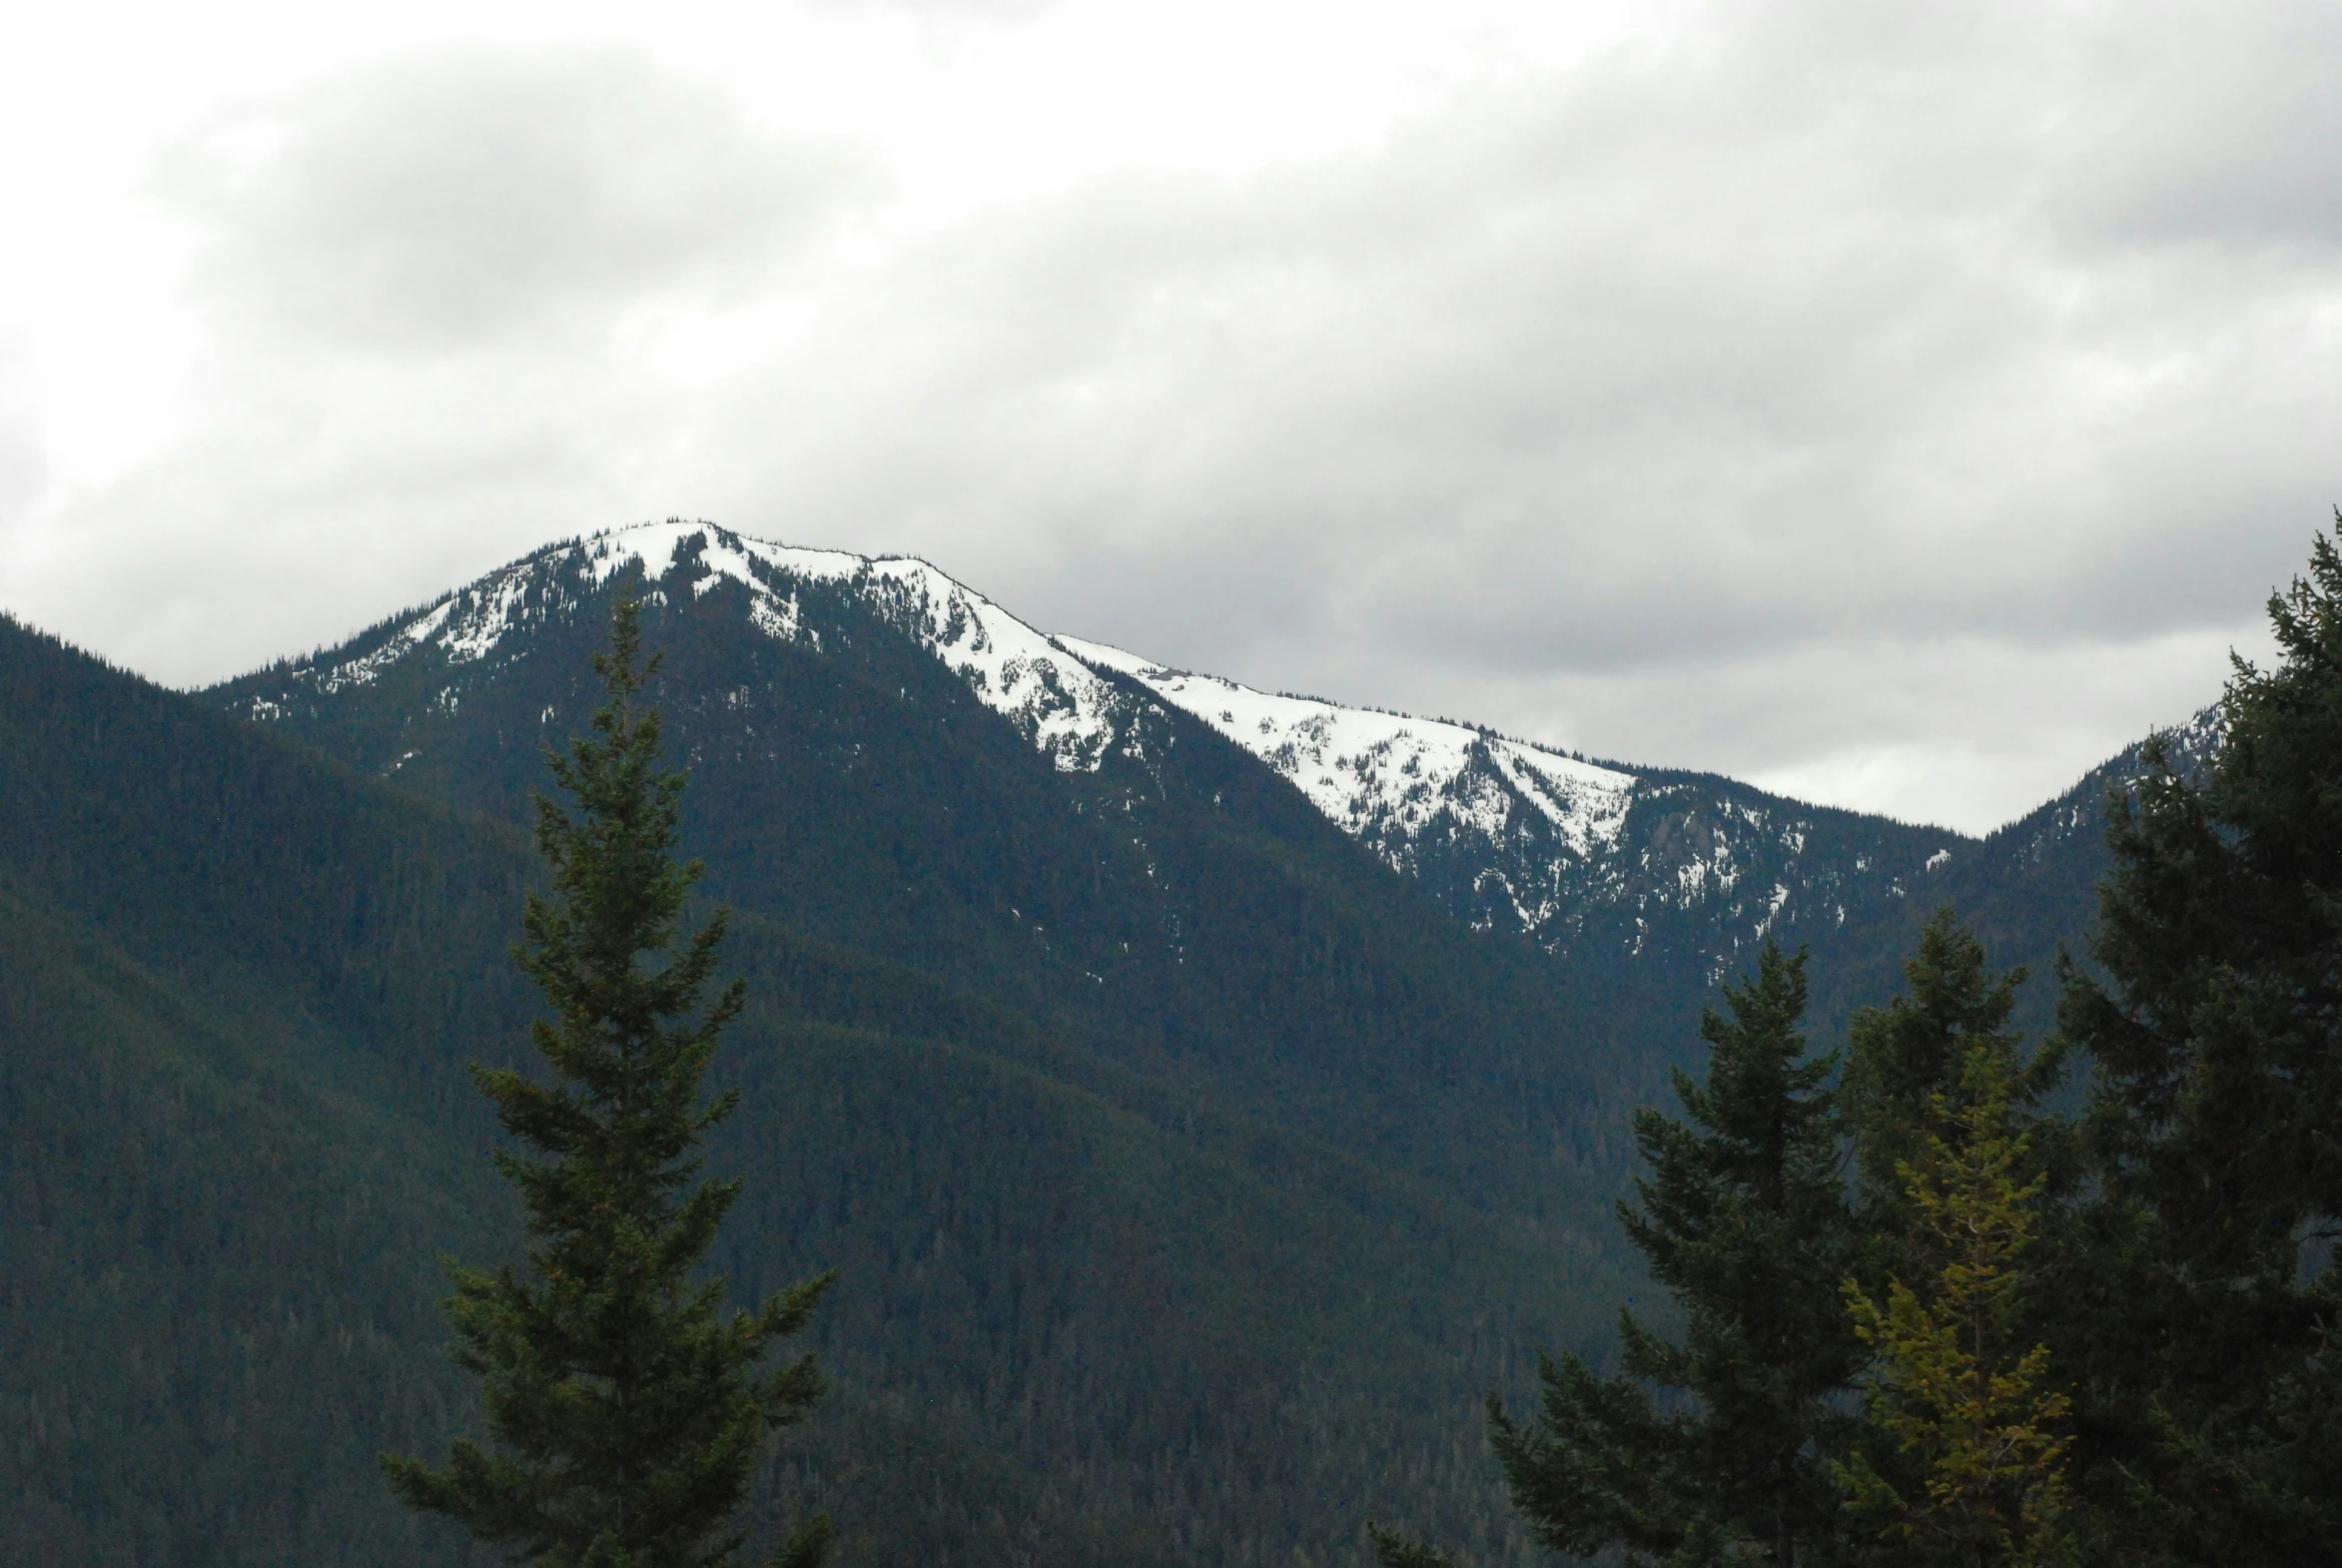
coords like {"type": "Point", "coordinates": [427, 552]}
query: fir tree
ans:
{"type": "Point", "coordinates": [627, 1405]}
{"type": "Point", "coordinates": [1743, 1219]}
{"type": "Point", "coordinates": [1393, 1549]}
{"type": "Point", "coordinates": [2218, 1090]}
{"type": "Point", "coordinates": [1902, 1057]}
{"type": "Point", "coordinates": [1907, 1063]}
{"type": "Point", "coordinates": [1967, 1409]}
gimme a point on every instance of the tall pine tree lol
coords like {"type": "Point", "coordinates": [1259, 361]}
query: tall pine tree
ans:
{"type": "Point", "coordinates": [1962, 1397]}
{"type": "Point", "coordinates": [1914, 1070]}
{"type": "Point", "coordinates": [2216, 1034]}
{"type": "Point", "coordinates": [1743, 1219]}
{"type": "Point", "coordinates": [628, 1405]}
{"type": "Point", "coordinates": [1902, 1057]}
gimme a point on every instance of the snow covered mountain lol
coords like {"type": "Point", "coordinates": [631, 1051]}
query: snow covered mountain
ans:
{"type": "Point", "coordinates": [1060, 705]}
{"type": "Point", "coordinates": [1508, 834]}
{"type": "Point", "coordinates": [1109, 1028]}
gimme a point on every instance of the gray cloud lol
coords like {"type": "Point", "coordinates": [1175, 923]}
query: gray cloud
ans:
{"type": "Point", "coordinates": [1901, 405]}
{"type": "Point", "coordinates": [460, 196]}
{"type": "Point", "coordinates": [979, 12]}
{"type": "Point", "coordinates": [2226, 135]}
{"type": "Point", "coordinates": [1498, 385]}
{"type": "Point", "coordinates": [24, 466]}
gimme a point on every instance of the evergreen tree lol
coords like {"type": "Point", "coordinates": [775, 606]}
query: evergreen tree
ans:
{"type": "Point", "coordinates": [1743, 1219]}
{"type": "Point", "coordinates": [1902, 1057]}
{"type": "Point", "coordinates": [1909, 1064]}
{"type": "Point", "coordinates": [1395, 1550]}
{"type": "Point", "coordinates": [627, 1405]}
{"type": "Point", "coordinates": [1968, 1410]}
{"type": "Point", "coordinates": [2218, 1090]}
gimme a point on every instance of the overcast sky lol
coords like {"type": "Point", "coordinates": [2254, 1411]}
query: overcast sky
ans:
{"type": "Point", "coordinates": [1899, 405]}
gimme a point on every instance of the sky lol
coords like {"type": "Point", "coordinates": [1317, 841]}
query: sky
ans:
{"type": "Point", "coordinates": [1900, 406]}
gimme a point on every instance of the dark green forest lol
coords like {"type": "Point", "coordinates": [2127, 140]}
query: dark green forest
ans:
{"type": "Point", "coordinates": [1190, 1175]}
{"type": "Point", "coordinates": [1947, 1295]}
{"type": "Point", "coordinates": [1148, 1279]}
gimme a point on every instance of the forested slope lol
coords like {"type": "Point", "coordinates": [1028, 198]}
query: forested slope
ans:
{"type": "Point", "coordinates": [1192, 1168]}
{"type": "Point", "coordinates": [222, 969]}
{"type": "Point", "coordinates": [2028, 891]}
{"type": "Point", "coordinates": [1102, 1290]}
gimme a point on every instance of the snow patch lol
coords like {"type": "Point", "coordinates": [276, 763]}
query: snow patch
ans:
{"type": "Point", "coordinates": [1404, 786]}
{"type": "Point", "coordinates": [1061, 705]}
{"type": "Point", "coordinates": [413, 635]}
{"type": "Point", "coordinates": [1384, 775]}
{"type": "Point", "coordinates": [1059, 702]}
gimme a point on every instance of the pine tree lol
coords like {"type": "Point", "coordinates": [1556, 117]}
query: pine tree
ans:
{"type": "Point", "coordinates": [1902, 1057]}
{"type": "Point", "coordinates": [628, 1407]}
{"type": "Point", "coordinates": [1743, 1219]}
{"type": "Point", "coordinates": [2216, 1036]}
{"type": "Point", "coordinates": [1968, 1410]}
{"type": "Point", "coordinates": [1395, 1550]}
{"type": "Point", "coordinates": [1905, 1063]}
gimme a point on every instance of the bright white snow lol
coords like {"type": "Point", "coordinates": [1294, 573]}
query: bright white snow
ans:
{"type": "Point", "coordinates": [1383, 774]}
{"type": "Point", "coordinates": [1059, 702]}
{"type": "Point", "coordinates": [1379, 776]}
{"type": "Point", "coordinates": [404, 642]}
{"type": "Point", "coordinates": [1544, 825]}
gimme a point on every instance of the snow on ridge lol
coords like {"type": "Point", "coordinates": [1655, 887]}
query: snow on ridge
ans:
{"type": "Point", "coordinates": [1384, 775]}
{"type": "Point", "coordinates": [727, 555]}
{"type": "Point", "coordinates": [1061, 705]}
{"type": "Point", "coordinates": [1510, 831]}
{"type": "Point", "coordinates": [362, 672]}
{"type": "Point", "coordinates": [1059, 702]}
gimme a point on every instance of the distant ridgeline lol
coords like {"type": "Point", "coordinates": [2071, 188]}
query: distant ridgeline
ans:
{"type": "Point", "coordinates": [1207, 1094]}
{"type": "Point", "coordinates": [1508, 835]}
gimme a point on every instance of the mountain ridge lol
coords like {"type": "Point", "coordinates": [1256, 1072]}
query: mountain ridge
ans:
{"type": "Point", "coordinates": [1511, 835]}
{"type": "Point", "coordinates": [1194, 1166]}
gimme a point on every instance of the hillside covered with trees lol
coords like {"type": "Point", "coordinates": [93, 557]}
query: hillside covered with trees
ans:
{"type": "Point", "coordinates": [1190, 1170]}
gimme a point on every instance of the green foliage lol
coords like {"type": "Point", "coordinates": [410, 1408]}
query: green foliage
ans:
{"type": "Point", "coordinates": [1110, 1303]}
{"type": "Point", "coordinates": [1395, 1550]}
{"type": "Point", "coordinates": [1904, 1056]}
{"type": "Point", "coordinates": [1374, 1106]}
{"type": "Point", "coordinates": [204, 1246]}
{"type": "Point", "coordinates": [1743, 1220]}
{"type": "Point", "coordinates": [220, 963]}
{"type": "Point", "coordinates": [1910, 1063]}
{"type": "Point", "coordinates": [626, 1403]}
{"type": "Point", "coordinates": [1184, 1162]}
{"type": "Point", "coordinates": [1968, 1409]}
{"type": "Point", "coordinates": [2218, 1082]}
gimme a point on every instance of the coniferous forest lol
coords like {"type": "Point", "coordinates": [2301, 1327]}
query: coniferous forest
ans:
{"type": "Point", "coordinates": [825, 1125]}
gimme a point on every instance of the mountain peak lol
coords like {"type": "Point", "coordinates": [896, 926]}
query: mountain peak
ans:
{"type": "Point", "coordinates": [1508, 833]}
{"type": "Point", "coordinates": [1057, 701]}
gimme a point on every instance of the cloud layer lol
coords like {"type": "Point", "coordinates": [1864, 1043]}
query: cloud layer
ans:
{"type": "Point", "coordinates": [1903, 406]}
{"type": "Point", "coordinates": [467, 200]}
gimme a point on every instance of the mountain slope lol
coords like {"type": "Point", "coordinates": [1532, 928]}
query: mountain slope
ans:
{"type": "Point", "coordinates": [1584, 859]}
{"type": "Point", "coordinates": [1507, 835]}
{"type": "Point", "coordinates": [1147, 916]}
{"type": "Point", "coordinates": [1028, 828]}
{"type": "Point", "coordinates": [2028, 890]}
{"type": "Point", "coordinates": [1150, 1256]}
{"type": "Point", "coordinates": [227, 1184]}
{"type": "Point", "coordinates": [1202, 1114]}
